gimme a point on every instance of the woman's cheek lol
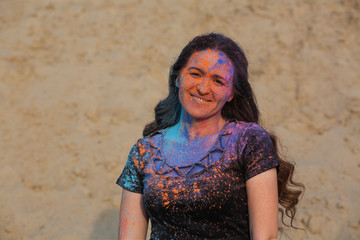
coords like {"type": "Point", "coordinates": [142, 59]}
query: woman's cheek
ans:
{"type": "Point", "coordinates": [185, 82]}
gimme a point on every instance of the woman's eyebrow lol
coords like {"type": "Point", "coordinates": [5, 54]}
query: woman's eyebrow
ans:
{"type": "Point", "coordinates": [195, 68]}
{"type": "Point", "coordinates": [201, 71]}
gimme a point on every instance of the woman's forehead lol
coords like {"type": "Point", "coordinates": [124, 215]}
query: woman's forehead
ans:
{"type": "Point", "coordinates": [210, 59]}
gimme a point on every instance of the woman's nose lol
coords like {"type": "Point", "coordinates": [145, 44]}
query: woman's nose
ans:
{"type": "Point", "coordinates": [203, 86]}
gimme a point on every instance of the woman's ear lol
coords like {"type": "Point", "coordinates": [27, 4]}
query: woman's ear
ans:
{"type": "Point", "coordinates": [177, 82]}
{"type": "Point", "coordinates": [232, 93]}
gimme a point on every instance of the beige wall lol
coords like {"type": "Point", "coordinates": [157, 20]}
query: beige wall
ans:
{"type": "Point", "coordinates": [80, 78]}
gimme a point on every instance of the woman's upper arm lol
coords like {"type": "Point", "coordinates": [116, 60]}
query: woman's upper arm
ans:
{"type": "Point", "coordinates": [262, 195]}
{"type": "Point", "coordinates": [133, 221]}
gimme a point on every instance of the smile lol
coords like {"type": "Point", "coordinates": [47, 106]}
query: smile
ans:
{"type": "Point", "coordinates": [197, 99]}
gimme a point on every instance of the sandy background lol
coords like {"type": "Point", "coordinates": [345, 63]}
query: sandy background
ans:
{"type": "Point", "coordinates": [79, 80]}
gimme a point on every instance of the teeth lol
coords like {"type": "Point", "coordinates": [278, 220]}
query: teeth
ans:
{"type": "Point", "coordinates": [199, 99]}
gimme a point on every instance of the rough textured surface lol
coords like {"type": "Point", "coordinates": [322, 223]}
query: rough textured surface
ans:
{"type": "Point", "coordinates": [79, 80]}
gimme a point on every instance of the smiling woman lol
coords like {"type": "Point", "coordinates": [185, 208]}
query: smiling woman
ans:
{"type": "Point", "coordinates": [205, 169]}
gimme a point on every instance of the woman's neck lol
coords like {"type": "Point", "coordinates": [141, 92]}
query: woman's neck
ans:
{"type": "Point", "coordinates": [190, 128]}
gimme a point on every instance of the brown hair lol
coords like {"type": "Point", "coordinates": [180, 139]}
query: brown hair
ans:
{"type": "Point", "coordinates": [289, 191]}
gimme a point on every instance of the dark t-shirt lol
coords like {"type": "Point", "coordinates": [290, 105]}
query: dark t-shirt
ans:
{"type": "Point", "coordinates": [208, 201]}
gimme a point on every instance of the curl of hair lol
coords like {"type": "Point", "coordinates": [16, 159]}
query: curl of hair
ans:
{"type": "Point", "coordinates": [242, 107]}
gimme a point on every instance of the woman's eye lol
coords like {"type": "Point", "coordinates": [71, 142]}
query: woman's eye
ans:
{"type": "Point", "coordinates": [194, 74]}
{"type": "Point", "coordinates": [218, 81]}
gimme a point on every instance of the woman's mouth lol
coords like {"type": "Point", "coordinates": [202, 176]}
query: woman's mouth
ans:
{"type": "Point", "coordinates": [199, 100]}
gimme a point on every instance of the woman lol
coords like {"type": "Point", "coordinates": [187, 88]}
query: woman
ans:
{"type": "Point", "coordinates": [205, 169]}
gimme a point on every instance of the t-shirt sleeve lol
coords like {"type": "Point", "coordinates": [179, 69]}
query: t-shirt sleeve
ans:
{"type": "Point", "coordinates": [131, 177]}
{"type": "Point", "coordinates": [258, 152]}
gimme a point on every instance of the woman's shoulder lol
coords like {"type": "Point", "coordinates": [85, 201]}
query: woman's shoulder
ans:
{"type": "Point", "coordinates": [249, 129]}
{"type": "Point", "coordinates": [146, 143]}
{"type": "Point", "coordinates": [247, 126]}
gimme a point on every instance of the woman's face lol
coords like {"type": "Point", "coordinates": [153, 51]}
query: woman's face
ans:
{"type": "Point", "coordinates": [206, 84]}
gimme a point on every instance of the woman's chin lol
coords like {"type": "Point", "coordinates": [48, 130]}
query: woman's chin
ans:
{"type": "Point", "coordinates": [196, 116]}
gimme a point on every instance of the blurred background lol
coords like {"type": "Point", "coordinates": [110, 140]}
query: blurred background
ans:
{"type": "Point", "coordinates": [79, 79]}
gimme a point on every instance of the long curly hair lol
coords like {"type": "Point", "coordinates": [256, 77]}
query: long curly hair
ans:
{"type": "Point", "coordinates": [242, 107]}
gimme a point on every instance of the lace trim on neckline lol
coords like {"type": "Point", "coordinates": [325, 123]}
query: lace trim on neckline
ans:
{"type": "Point", "coordinates": [205, 162]}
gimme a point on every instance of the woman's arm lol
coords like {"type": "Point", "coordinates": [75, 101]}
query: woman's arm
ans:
{"type": "Point", "coordinates": [133, 221]}
{"type": "Point", "coordinates": [262, 195]}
